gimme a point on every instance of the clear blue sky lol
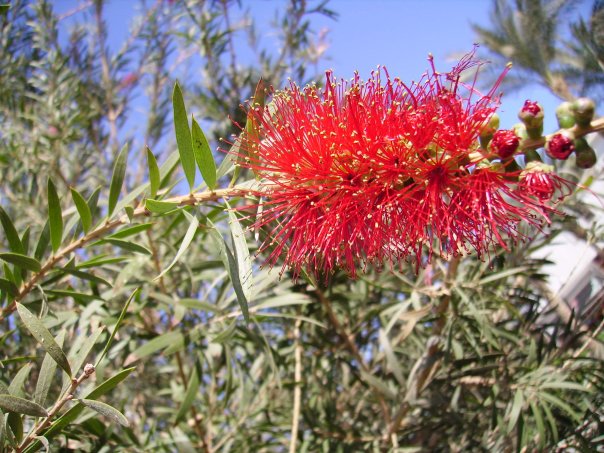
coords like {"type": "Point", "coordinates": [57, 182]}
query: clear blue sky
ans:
{"type": "Point", "coordinates": [397, 34]}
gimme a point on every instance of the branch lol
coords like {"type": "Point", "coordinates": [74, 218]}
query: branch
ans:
{"type": "Point", "coordinates": [68, 396]}
{"type": "Point", "coordinates": [192, 199]}
{"type": "Point", "coordinates": [297, 387]}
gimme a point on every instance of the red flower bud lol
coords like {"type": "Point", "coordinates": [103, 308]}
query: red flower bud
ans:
{"type": "Point", "coordinates": [537, 181]}
{"type": "Point", "coordinates": [505, 143]}
{"type": "Point", "coordinates": [531, 107]}
{"type": "Point", "coordinates": [540, 181]}
{"type": "Point", "coordinates": [559, 146]}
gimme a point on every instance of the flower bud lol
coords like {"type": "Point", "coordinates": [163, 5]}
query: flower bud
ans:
{"type": "Point", "coordinates": [583, 110]}
{"type": "Point", "coordinates": [585, 156]}
{"type": "Point", "coordinates": [536, 180]}
{"type": "Point", "coordinates": [488, 129]}
{"type": "Point", "coordinates": [565, 116]}
{"type": "Point", "coordinates": [504, 143]}
{"type": "Point", "coordinates": [520, 130]}
{"type": "Point", "coordinates": [559, 146]}
{"type": "Point", "coordinates": [531, 115]}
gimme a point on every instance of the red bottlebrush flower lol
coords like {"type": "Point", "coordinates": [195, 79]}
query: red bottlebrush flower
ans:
{"type": "Point", "coordinates": [505, 143]}
{"type": "Point", "coordinates": [559, 146]}
{"type": "Point", "coordinates": [377, 171]}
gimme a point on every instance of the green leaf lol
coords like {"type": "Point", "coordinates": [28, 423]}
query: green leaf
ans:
{"type": "Point", "coordinates": [43, 242]}
{"type": "Point", "coordinates": [86, 276]}
{"type": "Point", "coordinates": [55, 217]}
{"type": "Point", "coordinates": [83, 210]}
{"type": "Point", "coordinates": [156, 344]}
{"type": "Point", "coordinates": [15, 422]}
{"type": "Point", "coordinates": [160, 207]}
{"type": "Point", "coordinates": [83, 298]}
{"type": "Point", "coordinates": [43, 336]}
{"type": "Point", "coordinates": [242, 255]}
{"type": "Point", "coordinates": [76, 410]}
{"type": "Point", "coordinates": [106, 410]}
{"type": "Point", "coordinates": [18, 405]}
{"type": "Point", "coordinates": [117, 326]}
{"type": "Point", "coordinates": [126, 245]}
{"type": "Point", "coordinates": [24, 262]}
{"type": "Point", "coordinates": [117, 180]}
{"type": "Point", "coordinates": [538, 421]}
{"type": "Point", "coordinates": [186, 241]}
{"type": "Point", "coordinates": [47, 373]}
{"type": "Point", "coordinates": [14, 242]}
{"type": "Point", "coordinates": [183, 135]}
{"type": "Point", "coordinates": [190, 394]}
{"type": "Point", "coordinates": [9, 287]}
{"type": "Point", "coordinates": [18, 383]}
{"type": "Point", "coordinates": [232, 268]}
{"type": "Point", "coordinates": [2, 430]}
{"type": "Point", "coordinates": [515, 411]}
{"type": "Point", "coordinates": [131, 231]}
{"type": "Point", "coordinates": [154, 178]}
{"type": "Point", "coordinates": [4, 7]}
{"type": "Point", "coordinates": [203, 155]}
{"type": "Point", "coordinates": [101, 260]}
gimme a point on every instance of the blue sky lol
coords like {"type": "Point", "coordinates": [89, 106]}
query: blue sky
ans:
{"type": "Point", "coordinates": [398, 34]}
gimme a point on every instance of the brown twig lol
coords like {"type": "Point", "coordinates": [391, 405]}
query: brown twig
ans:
{"type": "Point", "coordinates": [297, 387]}
{"type": "Point", "coordinates": [68, 396]}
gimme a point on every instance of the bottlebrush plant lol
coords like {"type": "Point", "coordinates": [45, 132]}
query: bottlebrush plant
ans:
{"type": "Point", "coordinates": [357, 274]}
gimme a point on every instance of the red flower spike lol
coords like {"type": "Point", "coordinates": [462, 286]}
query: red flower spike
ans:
{"type": "Point", "coordinates": [559, 146]}
{"type": "Point", "coordinates": [375, 172]}
{"type": "Point", "coordinates": [505, 143]}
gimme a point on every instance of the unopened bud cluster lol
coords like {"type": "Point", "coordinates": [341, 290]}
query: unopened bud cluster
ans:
{"type": "Point", "coordinates": [574, 118]}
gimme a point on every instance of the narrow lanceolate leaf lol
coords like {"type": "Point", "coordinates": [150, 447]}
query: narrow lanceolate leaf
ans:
{"type": "Point", "coordinates": [230, 262]}
{"type": "Point", "coordinates": [242, 255]}
{"type": "Point", "coordinates": [55, 217]}
{"type": "Point", "coordinates": [83, 210]}
{"type": "Point", "coordinates": [10, 403]}
{"type": "Point", "coordinates": [2, 430]}
{"type": "Point", "coordinates": [117, 180]}
{"type": "Point", "coordinates": [14, 242]}
{"type": "Point", "coordinates": [106, 410]}
{"type": "Point", "coordinates": [127, 245]}
{"type": "Point", "coordinates": [203, 155]}
{"type": "Point", "coordinates": [43, 242]}
{"type": "Point", "coordinates": [44, 337]}
{"type": "Point", "coordinates": [24, 262]}
{"type": "Point", "coordinates": [160, 207]}
{"type": "Point", "coordinates": [8, 287]}
{"type": "Point", "coordinates": [76, 410]}
{"type": "Point", "coordinates": [117, 326]}
{"type": "Point", "coordinates": [154, 178]}
{"type": "Point", "coordinates": [186, 241]}
{"type": "Point", "coordinates": [47, 372]}
{"type": "Point", "coordinates": [190, 394]}
{"type": "Point", "coordinates": [183, 135]}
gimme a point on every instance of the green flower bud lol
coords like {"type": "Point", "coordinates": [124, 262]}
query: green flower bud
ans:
{"type": "Point", "coordinates": [532, 115]}
{"type": "Point", "coordinates": [585, 156]}
{"type": "Point", "coordinates": [583, 110]}
{"type": "Point", "coordinates": [520, 130]}
{"type": "Point", "coordinates": [565, 116]}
